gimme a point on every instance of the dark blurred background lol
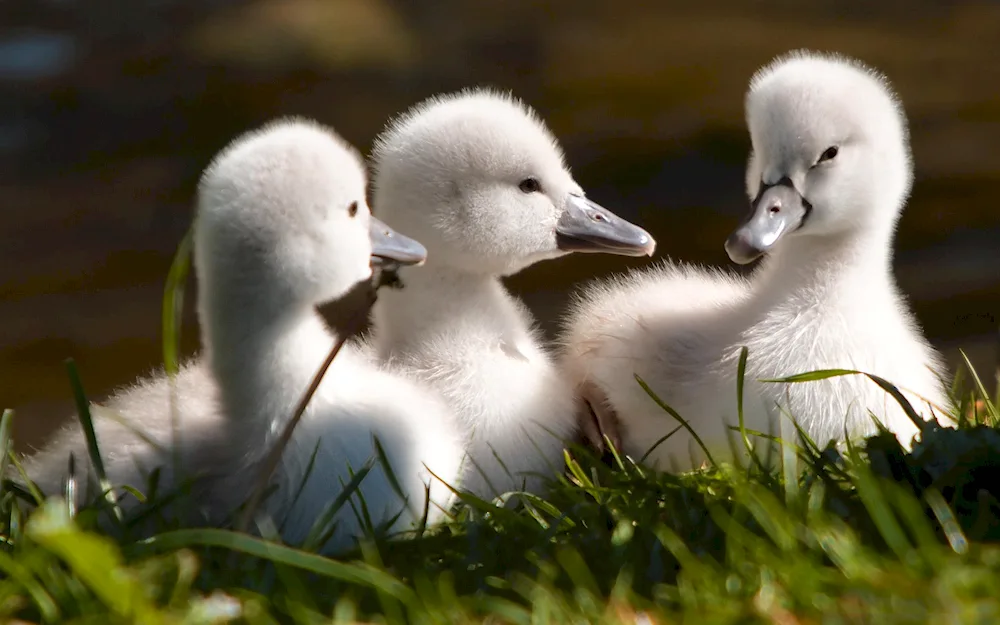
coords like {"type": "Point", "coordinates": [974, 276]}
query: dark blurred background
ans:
{"type": "Point", "coordinates": [110, 109]}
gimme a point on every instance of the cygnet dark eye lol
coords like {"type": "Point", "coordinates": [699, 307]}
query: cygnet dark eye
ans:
{"type": "Point", "coordinates": [530, 185]}
{"type": "Point", "coordinates": [829, 154]}
{"type": "Point", "coordinates": [352, 210]}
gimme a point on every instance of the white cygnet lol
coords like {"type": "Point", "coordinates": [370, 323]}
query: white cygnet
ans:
{"type": "Point", "coordinates": [282, 226]}
{"type": "Point", "coordinates": [480, 180]}
{"type": "Point", "coordinates": [828, 176]}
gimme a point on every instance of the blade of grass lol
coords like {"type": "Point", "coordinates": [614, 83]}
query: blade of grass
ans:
{"type": "Point", "coordinates": [359, 506]}
{"type": "Point", "coordinates": [887, 386]}
{"type": "Point", "coordinates": [6, 444]}
{"type": "Point", "coordinates": [390, 473]}
{"type": "Point", "coordinates": [391, 607]}
{"type": "Point", "coordinates": [425, 513]}
{"type": "Point", "coordinates": [741, 369]}
{"type": "Point", "coordinates": [94, 559]}
{"type": "Point", "coordinates": [171, 320]}
{"type": "Point", "coordinates": [289, 576]}
{"type": "Point", "coordinates": [70, 487]}
{"type": "Point", "coordinates": [351, 572]}
{"type": "Point", "coordinates": [877, 504]}
{"type": "Point", "coordinates": [996, 373]}
{"type": "Point", "coordinates": [952, 529]}
{"type": "Point", "coordinates": [616, 454]}
{"type": "Point", "coordinates": [87, 422]}
{"type": "Point", "coordinates": [991, 409]}
{"type": "Point", "coordinates": [173, 303]}
{"type": "Point", "coordinates": [17, 572]}
{"type": "Point", "coordinates": [323, 529]}
{"type": "Point", "coordinates": [302, 483]}
{"type": "Point", "coordinates": [811, 376]}
{"type": "Point", "coordinates": [673, 413]}
{"type": "Point", "coordinates": [577, 472]}
{"type": "Point", "coordinates": [29, 485]}
{"type": "Point", "coordinates": [658, 442]}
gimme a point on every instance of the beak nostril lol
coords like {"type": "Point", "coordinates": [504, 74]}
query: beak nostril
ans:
{"type": "Point", "coordinates": [775, 209]}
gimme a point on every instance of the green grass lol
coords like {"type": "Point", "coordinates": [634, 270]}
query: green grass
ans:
{"type": "Point", "coordinates": [869, 533]}
{"type": "Point", "coordinates": [873, 535]}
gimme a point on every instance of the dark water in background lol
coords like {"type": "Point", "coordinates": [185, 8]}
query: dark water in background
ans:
{"type": "Point", "coordinates": [108, 112]}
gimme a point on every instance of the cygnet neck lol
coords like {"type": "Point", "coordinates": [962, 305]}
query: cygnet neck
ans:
{"type": "Point", "coordinates": [436, 297]}
{"type": "Point", "coordinates": [838, 267]}
{"type": "Point", "coordinates": [263, 356]}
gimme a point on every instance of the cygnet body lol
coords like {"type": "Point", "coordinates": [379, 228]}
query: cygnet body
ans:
{"type": "Point", "coordinates": [480, 180]}
{"type": "Point", "coordinates": [282, 226]}
{"type": "Point", "coordinates": [828, 176]}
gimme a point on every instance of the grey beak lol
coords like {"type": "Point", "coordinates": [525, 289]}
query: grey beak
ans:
{"type": "Point", "coordinates": [589, 227]}
{"type": "Point", "coordinates": [388, 246]}
{"type": "Point", "coordinates": [777, 210]}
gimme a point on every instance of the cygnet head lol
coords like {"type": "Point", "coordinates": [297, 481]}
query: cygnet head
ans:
{"type": "Point", "coordinates": [830, 153]}
{"type": "Point", "coordinates": [282, 222]}
{"type": "Point", "coordinates": [478, 178]}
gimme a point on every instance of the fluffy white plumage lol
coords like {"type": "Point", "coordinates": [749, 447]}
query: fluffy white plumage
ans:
{"type": "Point", "coordinates": [824, 296]}
{"type": "Point", "coordinates": [282, 225]}
{"type": "Point", "coordinates": [478, 178]}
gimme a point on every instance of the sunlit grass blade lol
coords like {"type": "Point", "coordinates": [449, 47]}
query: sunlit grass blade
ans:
{"type": "Point", "coordinates": [6, 442]}
{"type": "Point", "coordinates": [772, 516]}
{"type": "Point", "coordinates": [949, 524]}
{"type": "Point", "coordinates": [996, 372]}
{"type": "Point", "coordinates": [991, 408]}
{"type": "Point", "coordinates": [811, 376]}
{"type": "Point", "coordinates": [352, 572]}
{"type": "Point", "coordinates": [911, 513]}
{"type": "Point", "coordinates": [616, 454]}
{"type": "Point", "coordinates": [576, 471]}
{"type": "Point", "coordinates": [172, 317]}
{"type": "Point", "coordinates": [887, 386]}
{"type": "Point", "coordinates": [173, 303]}
{"type": "Point", "coordinates": [538, 503]}
{"type": "Point", "coordinates": [95, 559]}
{"type": "Point", "coordinates": [877, 504]}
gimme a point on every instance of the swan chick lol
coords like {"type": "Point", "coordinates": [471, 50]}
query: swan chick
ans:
{"type": "Point", "coordinates": [479, 179]}
{"type": "Point", "coordinates": [281, 227]}
{"type": "Point", "coordinates": [828, 176]}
